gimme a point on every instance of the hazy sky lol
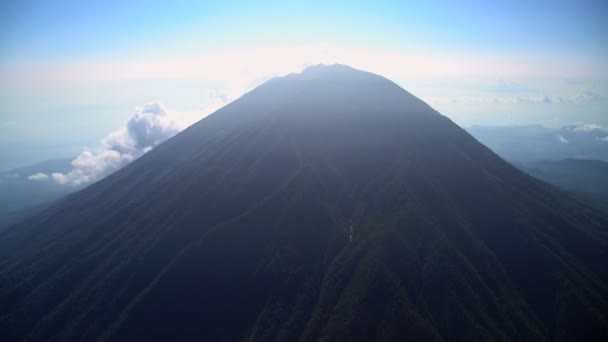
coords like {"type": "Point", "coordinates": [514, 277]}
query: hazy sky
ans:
{"type": "Point", "coordinates": [73, 71]}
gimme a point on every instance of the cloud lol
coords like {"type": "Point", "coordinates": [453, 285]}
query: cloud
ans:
{"type": "Point", "coordinates": [590, 127]}
{"type": "Point", "coordinates": [504, 86]}
{"type": "Point", "coordinates": [507, 100]}
{"type": "Point", "coordinates": [562, 139]}
{"type": "Point", "coordinates": [38, 176]}
{"type": "Point", "coordinates": [540, 99]}
{"type": "Point", "coordinates": [586, 96]}
{"type": "Point", "coordinates": [586, 132]}
{"type": "Point", "coordinates": [467, 100]}
{"type": "Point", "coordinates": [537, 99]}
{"type": "Point", "coordinates": [217, 96]}
{"type": "Point", "coordinates": [151, 125]}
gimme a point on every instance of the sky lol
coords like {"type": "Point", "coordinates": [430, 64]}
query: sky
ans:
{"type": "Point", "coordinates": [75, 73]}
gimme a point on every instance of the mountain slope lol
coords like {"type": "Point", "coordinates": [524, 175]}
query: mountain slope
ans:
{"type": "Point", "coordinates": [327, 205]}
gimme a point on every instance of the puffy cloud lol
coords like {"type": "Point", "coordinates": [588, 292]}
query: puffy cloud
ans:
{"type": "Point", "coordinates": [38, 176]}
{"type": "Point", "coordinates": [89, 167]}
{"type": "Point", "coordinates": [151, 125]}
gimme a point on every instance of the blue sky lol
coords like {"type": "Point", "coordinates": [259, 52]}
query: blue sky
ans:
{"type": "Point", "coordinates": [68, 30]}
{"type": "Point", "coordinates": [73, 71]}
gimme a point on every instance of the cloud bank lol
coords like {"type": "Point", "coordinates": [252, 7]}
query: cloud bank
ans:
{"type": "Point", "coordinates": [582, 97]}
{"type": "Point", "coordinates": [590, 127]}
{"type": "Point", "coordinates": [586, 96]}
{"type": "Point", "coordinates": [151, 125]}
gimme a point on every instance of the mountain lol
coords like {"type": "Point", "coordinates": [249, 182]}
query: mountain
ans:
{"type": "Point", "coordinates": [21, 196]}
{"type": "Point", "coordinates": [587, 179]}
{"type": "Point", "coordinates": [329, 205]}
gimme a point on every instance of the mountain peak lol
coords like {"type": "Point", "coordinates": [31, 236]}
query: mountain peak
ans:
{"type": "Point", "coordinates": [335, 71]}
{"type": "Point", "coordinates": [333, 91]}
{"type": "Point", "coordinates": [329, 72]}
{"type": "Point", "coordinates": [322, 67]}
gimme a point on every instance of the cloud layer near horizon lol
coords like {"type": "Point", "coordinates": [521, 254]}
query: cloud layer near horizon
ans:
{"type": "Point", "coordinates": [582, 97]}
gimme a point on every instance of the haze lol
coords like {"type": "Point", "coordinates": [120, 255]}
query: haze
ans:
{"type": "Point", "coordinates": [72, 73]}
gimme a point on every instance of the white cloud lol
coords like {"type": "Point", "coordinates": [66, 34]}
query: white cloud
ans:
{"type": "Point", "coordinates": [603, 138]}
{"type": "Point", "coordinates": [147, 128]}
{"type": "Point", "coordinates": [562, 139]}
{"type": "Point", "coordinates": [38, 176]}
{"type": "Point", "coordinates": [89, 167]}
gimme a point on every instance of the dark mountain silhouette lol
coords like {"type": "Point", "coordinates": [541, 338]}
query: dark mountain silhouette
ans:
{"type": "Point", "coordinates": [328, 205]}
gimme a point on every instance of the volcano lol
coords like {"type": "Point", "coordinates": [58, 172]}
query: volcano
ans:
{"type": "Point", "coordinates": [329, 205]}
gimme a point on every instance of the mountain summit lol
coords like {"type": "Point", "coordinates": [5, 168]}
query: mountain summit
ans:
{"type": "Point", "coordinates": [326, 205]}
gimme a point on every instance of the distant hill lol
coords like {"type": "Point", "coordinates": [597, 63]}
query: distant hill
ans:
{"type": "Point", "coordinates": [330, 205]}
{"type": "Point", "coordinates": [587, 178]}
{"type": "Point", "coordinates": [20, 196]}
{"type": "Point", "coordinates": [532, 143]}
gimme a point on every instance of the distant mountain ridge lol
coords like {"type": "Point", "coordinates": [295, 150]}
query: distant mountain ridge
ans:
{"type": "Point", "coordinates": [21, 196]}
{"type": "Point", "coordinates": [322, 206]}
{"type": "Point", "coordinates": [529, 143]}
{"type": "Point", "coordinates": [588, 179]}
